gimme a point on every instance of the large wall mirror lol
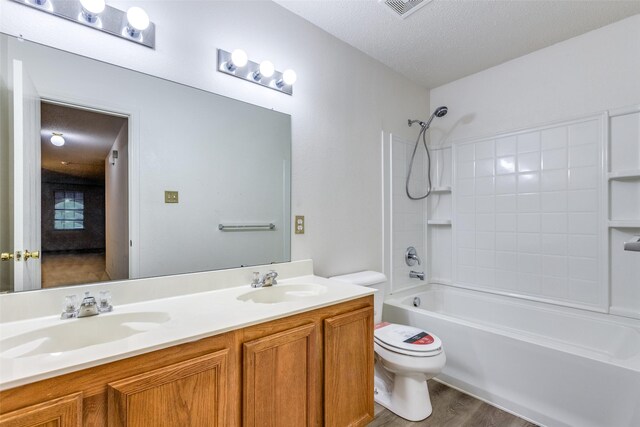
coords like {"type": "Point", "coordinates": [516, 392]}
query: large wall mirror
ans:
{"type": "Point", "coordinates": [110, 174]}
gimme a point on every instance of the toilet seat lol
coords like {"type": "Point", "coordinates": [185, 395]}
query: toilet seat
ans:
{"type": "Point", "coordinates": [407, 340]}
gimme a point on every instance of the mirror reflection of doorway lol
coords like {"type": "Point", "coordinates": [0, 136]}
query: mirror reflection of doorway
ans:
{"type": "Point", "coordinates": [84, 195]}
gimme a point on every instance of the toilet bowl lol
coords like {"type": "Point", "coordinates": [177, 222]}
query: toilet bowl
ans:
{"type": "Point", "coordinates": [405, 357]}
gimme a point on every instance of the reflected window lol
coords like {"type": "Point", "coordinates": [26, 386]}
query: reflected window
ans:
{"type": "Point", "coordinates": [69, 210]}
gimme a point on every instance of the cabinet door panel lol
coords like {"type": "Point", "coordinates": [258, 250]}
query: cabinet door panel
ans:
{"type": "Point", "coordinates": [63, 412]}
{"type": "Point", "coordinates": [189, 393]}
{"type": "Point", "coordinates": [280, 374]}
{"type": "Point", "coordinates": [348, 368]}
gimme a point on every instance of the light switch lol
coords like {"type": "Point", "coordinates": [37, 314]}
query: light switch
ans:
{"type": "Point", "coordinates": [171, 197]}
{"type": "Point", "coordinates": [299, 224]}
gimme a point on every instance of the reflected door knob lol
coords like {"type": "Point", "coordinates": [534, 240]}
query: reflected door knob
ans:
{"type": "Point", "coordinates": [6, 256]}
{"type": "Point", "coordinates": [34, 254]}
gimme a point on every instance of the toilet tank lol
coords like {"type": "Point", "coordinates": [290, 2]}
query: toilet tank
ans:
{"type": "Point", "coordinates": [371, 279]}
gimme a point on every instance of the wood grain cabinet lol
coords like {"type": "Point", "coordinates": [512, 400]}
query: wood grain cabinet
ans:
{"type": "Point", "coordinates": [310, 369]}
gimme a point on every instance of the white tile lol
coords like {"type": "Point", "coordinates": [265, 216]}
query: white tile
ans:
{"type": "Point", "coordinates": [584, 133]}
{"type": "Point", "coordinates": [555, 201]}
{"type": "Point", "coordinates": [586, 291]}
{"type": "Point", "coordinates": [556, 266]}
{"type": "Point", "coordinates": [583, 178]}
{"type": "Point", "coordinates": [554, 159]}
{"type": "Point", "coordinates": [583, 155]}
{"type": "Point", "coordinates": [485, 259]}
{"type": "Point", "coordinates": [554, 244]}
{"type": "Point", "coordinates": [465, 187]}
{"type": "Point", "coordinates": [583, 246]}
{"type": "Point", "coordinates": [582, 201]}
{"type": "Point", "coordinates": [466, 204]}
{"type": "Point", "coordinates": [465, 169]}
{"type": "Point", "coordinates": [583, 268]}
{"type": "Point", "coordinates": [529, 183]}
{"type": "Point", "coordinates": [506, 203]}
{"type": "Point", "coordinates": [465, 153]}
{"type": "Point", "coordinates": [529, 283]}
{"type": "Point", "coordinates": [484, 186]}
{"type": "Point", "coordinates": [484, 167]}
{"type": "Point", "coordinates": [529, 202]}
{"type": "Point", "coordinates": [466, 239]}
{"type": "Point", "coordinates": [484, 150]}
{"type": "Point", "coordinates": [485, 277]}
{"type": "Point", "coordinates": [528, 222]}
{"type": "Point", "coordinates": [583, 223]}
{"type": "Point", "coordinates": [554, 180]}
{"type": "Point", "coordinates": [506, 222]}
{"type": "Point", "coordinates": [485, 240]}
{"type": "Point", "coordinates": [554, 287]}
{"type": "Point", "coordinates": [466, 222]}
{"type": "Point", "coordinates": [505, 165]}
{"type": "Point", "coordinates": [506, 146]}
{"type": "Point", "coordinates": [505, 184]}
{"type": "Point", "coordinates": [554, 223]}
{"type": "Point", "coordinates": [529, 142]}
{"type": "Point", "coordinates": [467, 274]}
{"type": "Point", "coordinates": [529, 243]}
{"type": "Point", "coordinates": [485, 222]}
{"type": "Point", "coordinates": [506, 241]}
{"type": "Point", "coordinates": [398, 162]}
{"type": "Point", "coordinates": [554, 138]}
{"type": "Point", "coordinates": [485, 204]}
{"type": "Point", "coordinates": [507, 261]}
{"type": "Point", "coordinates": [506, 279]}
{"type": "Point", "coordinates": [529, 162]}
{"type": "Point", "coordinates": [466, 256]}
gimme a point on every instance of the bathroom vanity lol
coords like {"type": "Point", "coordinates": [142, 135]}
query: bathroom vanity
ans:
{"type": "Point", "coordinates": [298, 353]}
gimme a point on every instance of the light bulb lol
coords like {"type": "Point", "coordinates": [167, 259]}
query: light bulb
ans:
{"type": "Point", "coordinates": [91, 9]}
{"type": "Point", "coordinates": [239, 58]}
{"type": "Point", "coordinates": [138, 21]}
{"type": "Point", "coordinates": [289, 77]}
{"type": "Point", "coordinates": [267, 68]}
{"type": "Point", "coordinates": [57, 139]}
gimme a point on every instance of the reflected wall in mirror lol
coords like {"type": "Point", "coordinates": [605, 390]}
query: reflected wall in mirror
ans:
{"type": "Point", "coordinates": [93, 208]}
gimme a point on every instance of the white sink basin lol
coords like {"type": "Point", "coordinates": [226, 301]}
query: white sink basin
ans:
{"type": "Point", "coordinates": [283, 293]}
{"type": "Point", "coordinates": [72, 334]}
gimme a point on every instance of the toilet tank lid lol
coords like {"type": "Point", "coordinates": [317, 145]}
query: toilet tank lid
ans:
{"type": "Point", "coordinates": [362, 278]}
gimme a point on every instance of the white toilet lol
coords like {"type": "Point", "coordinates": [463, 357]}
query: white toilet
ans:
{"type": "Point", "coordinates": [406, 357]}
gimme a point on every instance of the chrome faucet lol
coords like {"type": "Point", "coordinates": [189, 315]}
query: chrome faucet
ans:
{"type": "Point", "coordinates": [88, 307]}
{"type": "Point", "coordinates": [267, 279]}
{"type": "Point", "coordinates": [416, 274]}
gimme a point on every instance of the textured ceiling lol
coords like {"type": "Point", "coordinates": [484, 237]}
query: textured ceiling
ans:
{"type": "Point", "coordinates": [447, 40]}
{"type": "Point", "coordinates": [88, 137]}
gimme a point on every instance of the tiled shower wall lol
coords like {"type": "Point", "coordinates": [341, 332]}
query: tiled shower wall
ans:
{"type": "Point", "coordinates": [527, 217]}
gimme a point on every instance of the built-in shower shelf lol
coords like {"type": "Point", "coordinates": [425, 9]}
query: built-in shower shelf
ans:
{"type": "Point", "coordinates": [438, 222]}
{"type": "Point", "coordinates": [626, 174]}
{"type": "Point", "coordinates": [441, 190]}
{"type": "Point", "coordinates": [625, 224]}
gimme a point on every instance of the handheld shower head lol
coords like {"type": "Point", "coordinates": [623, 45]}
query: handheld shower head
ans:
{"type": "Point", "coordinates": [441, 111]}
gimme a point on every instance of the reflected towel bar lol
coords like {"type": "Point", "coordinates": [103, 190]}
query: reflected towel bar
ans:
{"type": "Point", "coordinates": [265, 227]}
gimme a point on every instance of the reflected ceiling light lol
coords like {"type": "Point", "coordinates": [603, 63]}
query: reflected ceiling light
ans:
{"type": "Point", "coordinates": [57, 139]}
{"type": "Point", "coordinates": [91, 9]}
{"type": "Point", "coordinates": [265, 70]}
{"type": "Point", "coordinates": [137, 21]}
{"type": "Point", "coordinates": [64, 163]}
{"type": "Point", "coordinates": [289, 77]}
{"type": "Point", "coordinates": [238, 60]}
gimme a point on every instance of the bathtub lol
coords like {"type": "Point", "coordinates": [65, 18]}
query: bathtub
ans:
{"type": "Point", "coordinates": [552, 365]}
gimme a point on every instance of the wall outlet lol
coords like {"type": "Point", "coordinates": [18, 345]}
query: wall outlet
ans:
{"type": "Point", "coordinates": [171, 197]}
{"type": "Point", "coordinates": [299, 224]}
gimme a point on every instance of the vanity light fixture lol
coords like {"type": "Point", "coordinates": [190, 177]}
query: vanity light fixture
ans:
{"type": "Point", "coordinates": [133, 25]}
{"type": "Point", "coordinates": [57, 139]}
{"type": "Point", "coordinates": [237, 64]}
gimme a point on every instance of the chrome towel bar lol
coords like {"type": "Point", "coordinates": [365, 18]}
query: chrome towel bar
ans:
{"type": "Point", "coordinates": [246, 227]}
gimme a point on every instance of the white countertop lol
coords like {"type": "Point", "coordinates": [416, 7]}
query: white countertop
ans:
{"type": "Point", "coordinates": [184, 318]}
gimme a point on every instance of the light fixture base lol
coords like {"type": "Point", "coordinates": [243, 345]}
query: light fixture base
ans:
{"type": "Point", "coordinates": [249, 71]}
{"type": "Point", "coordinates": [111, 20]}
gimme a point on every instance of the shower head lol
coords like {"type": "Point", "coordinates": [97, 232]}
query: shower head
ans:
{"type": "Point", "coordinates": [439, 112]}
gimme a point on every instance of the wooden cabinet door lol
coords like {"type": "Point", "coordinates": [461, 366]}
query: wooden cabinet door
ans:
{"type": "Point", "coordinates": [348, 369]}
{"type": "Point", "coordinates": [280, 373]}
{"type": "Point", "coordinates": [189, 393]}
{"type": "Point", "coordinates": [63, 412]}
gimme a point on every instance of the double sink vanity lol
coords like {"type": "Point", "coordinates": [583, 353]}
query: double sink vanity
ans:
{"type": "Point", "coordinates": [195, 349]}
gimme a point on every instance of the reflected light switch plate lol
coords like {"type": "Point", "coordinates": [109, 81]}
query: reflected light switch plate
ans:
{"type": "Point", "coordinates": [171, 197]}
{"type": "Point", "coordinates": [298, 225]}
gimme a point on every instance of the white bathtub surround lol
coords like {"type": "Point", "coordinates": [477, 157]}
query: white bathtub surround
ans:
{"type": "Point", "coordinates": [552, 365]}
{"type": "Point", "coordinates": [208, 304]}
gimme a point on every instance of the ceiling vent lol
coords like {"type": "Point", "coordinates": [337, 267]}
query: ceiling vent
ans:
{"type": "Point", "coordinates": [404, 8]}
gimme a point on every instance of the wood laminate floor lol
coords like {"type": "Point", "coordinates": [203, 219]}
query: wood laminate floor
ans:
{"type": "Point", "coordinates": [452, 408]}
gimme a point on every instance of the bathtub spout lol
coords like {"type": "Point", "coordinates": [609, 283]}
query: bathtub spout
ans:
{"type": "Point", "coordinates": [416, 274]}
